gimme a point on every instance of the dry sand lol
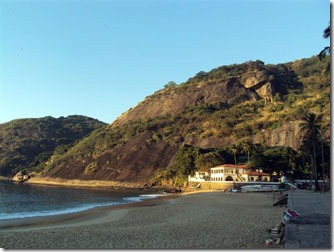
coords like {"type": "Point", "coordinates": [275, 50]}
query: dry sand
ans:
{"type": "Point", "coordinates": [202, 220]}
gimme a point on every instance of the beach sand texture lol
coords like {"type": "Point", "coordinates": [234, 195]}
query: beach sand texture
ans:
{"type": "Point", "coordinates": [201, 220]}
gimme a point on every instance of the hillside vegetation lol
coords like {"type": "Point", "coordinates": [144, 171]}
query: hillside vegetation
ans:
{"type": "Point", "coordinates": [229, 114]}
{"type": "Point", "coordinates": [26, 144]}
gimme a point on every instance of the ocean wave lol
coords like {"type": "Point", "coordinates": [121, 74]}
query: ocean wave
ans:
{"type": "Point", "coordinates": [79, 208]}
{"type": "Point", "coordinates": [143, 197]}
{"type": "Point", "coordinates": [83, 207]}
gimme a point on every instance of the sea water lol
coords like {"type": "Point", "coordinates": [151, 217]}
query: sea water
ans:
{"type": "Point", "coordinates": [24, 200]}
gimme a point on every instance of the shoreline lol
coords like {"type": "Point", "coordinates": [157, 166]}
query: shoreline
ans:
{"type": "Point", "coordinates": [84, 183]}
{"type": "Point", "coordinates": [85, 217]}
{"type": "Point", "coordinates": [109, 185]}
{"type": "Point", "coordinates": [42, 221]}
{"type": "Point", "coordinates": [201, 219]}
{"type": "Point", "coordinates": [3, 178]}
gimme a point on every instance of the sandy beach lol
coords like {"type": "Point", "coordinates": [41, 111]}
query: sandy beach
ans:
{"type": "Point", "coordinates": [195, 221]}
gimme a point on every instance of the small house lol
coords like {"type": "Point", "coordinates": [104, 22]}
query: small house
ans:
{"type": "Point", "coordinates": [199, 177]}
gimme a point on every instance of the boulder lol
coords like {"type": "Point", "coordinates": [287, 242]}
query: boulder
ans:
{"type": "Point", "coordinates": [266, 91]}
{"type": "Point", "coordinates": [20, 177]}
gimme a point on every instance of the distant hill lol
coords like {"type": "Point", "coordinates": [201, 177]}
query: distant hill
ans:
{"type": "Point", "coordinates": [194, 125]}
{"type": "Point", "coordinates": [26, 144]}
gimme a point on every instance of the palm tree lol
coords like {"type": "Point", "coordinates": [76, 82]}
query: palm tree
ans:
{"type": "Point", "coordinates": [311, 129]}
{"type": "Point", "coordinates": [246, 147]}
{"type": "Point", "coordinates": [234, 149]}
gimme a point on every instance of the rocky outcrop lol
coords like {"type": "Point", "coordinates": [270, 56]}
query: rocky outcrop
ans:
{"type": "Point", "coordinates": [20, 177]}
{"type": "Point", "coordinates": [266, 91]}
{"type": "Point", "coordinates": [176, 99]}
{"type": "Point", "coordinates": [287, 135]}
{"type": "Point", "coordinates": [260, 82]}
{"type": "Point", "coordinates": [255, 78]}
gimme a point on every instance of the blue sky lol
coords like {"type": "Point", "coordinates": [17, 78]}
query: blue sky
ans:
{"type": "Point", "coordinates": [99, 58]}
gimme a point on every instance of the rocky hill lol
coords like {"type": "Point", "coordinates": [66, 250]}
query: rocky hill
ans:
{"type": "Point", "coordinates": [227, 86]}
{"type": "Point", "coordinates": [194, 124]}
{"type": "Point", "coordinates": [26, 144]}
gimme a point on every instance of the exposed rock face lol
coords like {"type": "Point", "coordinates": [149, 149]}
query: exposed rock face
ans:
{"type": "Point", "coordinates": [250, 86]}
{"type": "Point", "coordinates": [255, 78]}
{"type": "Point", "coordinates": [287, 135]}
{"type": "Point", "coordinates": [260, 82]}
{"type": "Point", "coordinates": [175, 100]}
{"type": "Point", "coordinates": [266, 91]}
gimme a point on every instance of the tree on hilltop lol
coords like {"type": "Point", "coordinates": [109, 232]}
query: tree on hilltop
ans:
{"type": "Point", "coordinates": [327, 50]}
{"type": "Point", "coordinates": [170, 84]}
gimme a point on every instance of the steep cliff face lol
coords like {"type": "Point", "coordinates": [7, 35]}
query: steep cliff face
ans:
{"type": "Point", "coordinates": [288, 134]}
{"type": "Point", "coordinates": [251, 85]}
{"type": "Point", "coordinates": [177, 99]}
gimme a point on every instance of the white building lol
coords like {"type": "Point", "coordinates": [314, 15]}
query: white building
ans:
{"type": "Point", "coordinates": [237, 173]}
{"type": "Point", "coordinates": [199, 177]}
{"type": "Point", "coordinates": [230, 172]}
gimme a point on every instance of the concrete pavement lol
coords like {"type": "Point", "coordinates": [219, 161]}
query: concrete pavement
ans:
{"type": "Point", "coordinates": [312, 229]}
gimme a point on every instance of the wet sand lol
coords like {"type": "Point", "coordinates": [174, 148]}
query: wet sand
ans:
{"type": "Point", "coordinates": [197, 220]}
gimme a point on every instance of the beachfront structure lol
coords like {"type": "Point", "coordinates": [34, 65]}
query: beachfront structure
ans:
{"type": "Point", "coordinates": [199, 177]}
{"type": "Point", "coordinates": [237, 173]}
{"type": "Point", "coordinates": [230, 172]}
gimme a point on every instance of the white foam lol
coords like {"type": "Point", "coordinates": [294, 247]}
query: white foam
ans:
{"type": "Point", "coordinates": [132, 199]}
{"type": "Point", "coordinates": [84, 207]}
{"type": "Point", "coordinates": [151, 196]}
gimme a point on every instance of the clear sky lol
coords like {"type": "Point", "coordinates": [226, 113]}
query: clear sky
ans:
{"type": "Point", "coordinates": [100, 58]}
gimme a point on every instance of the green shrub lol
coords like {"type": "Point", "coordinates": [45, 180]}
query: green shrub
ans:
{"type": "Point", "coordinates": [91, 168]}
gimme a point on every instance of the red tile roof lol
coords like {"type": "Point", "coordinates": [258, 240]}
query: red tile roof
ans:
{"type": "Point", "coordinates": [244, 166]}
{"type": "Point", "coordinates": [257, 173]}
